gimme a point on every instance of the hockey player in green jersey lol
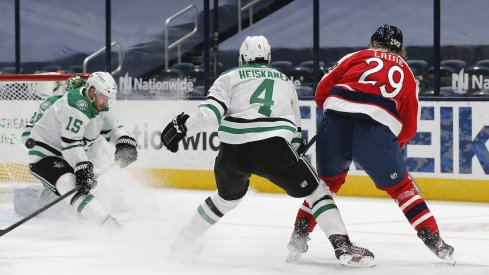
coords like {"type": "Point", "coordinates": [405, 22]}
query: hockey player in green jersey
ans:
{"type": "Point", "coordinates": [256, 111]}
{"type": "Point", "coordinates": [63, 134]}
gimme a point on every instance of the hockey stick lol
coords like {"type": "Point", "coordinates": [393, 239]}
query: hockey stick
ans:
{"type": "Point", "coordinates": [309, 144]}
{"type": "Point", "coordinates": [416, 186]}
{"type": "Point", "coordinates": [44, 208]}
{"type": "Point", "coordinates": [37, 212]}
{"type": "Point", "coordinates": [12, 136]}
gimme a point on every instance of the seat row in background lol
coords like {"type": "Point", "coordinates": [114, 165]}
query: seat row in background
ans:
{"type": "Point", "coordinates": [456, 78]}
{"type": "Point", "coordinates": [301, 75]}
{"type": "Point", "coordinates": [45, 69]}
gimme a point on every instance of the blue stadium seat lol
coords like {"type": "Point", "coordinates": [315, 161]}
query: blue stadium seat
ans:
{"type": "Point", "coordinates": [220, 67]}
{"type": "Point", "coordinates": [198, 91]}
{"type": "Point", "coordinates": [301, 74]}
{"type": "Point", "coordinates": [197, 76]}
{"type": "Point", "coordinates": [75, 69]}
{"type": "Point", "coordinates": [455, 64]}
{"type": "Point", "coordinates": [304, 91]}
{"type": "Point", "coordinates": [483, 63]}
{"type": "Point", "coordinates": [184, 67]}
{"type": "Point", "coordinates": [446, 74]}
{"type": "Point", "coordinates": [418, 66]}
{"type": "Point", "coordinates": [282, 66]}
{"type": "Point", "coordinates": [310, 64]}
{"type": "Point", "coordinates": [479, 93]}
{"type": "Point", "coordinates": [168, 74]}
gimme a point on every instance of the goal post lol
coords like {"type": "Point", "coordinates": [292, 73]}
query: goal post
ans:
{"type": "Point", "coordinates": [20, 97]}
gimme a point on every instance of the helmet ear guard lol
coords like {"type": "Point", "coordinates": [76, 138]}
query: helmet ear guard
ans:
{"type": "Point", "coordinates": [104, 83]}
{"type": "Point", "coordinates": [254, 48]}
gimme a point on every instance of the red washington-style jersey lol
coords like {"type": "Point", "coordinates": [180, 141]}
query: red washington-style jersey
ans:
{"type": "Point", "coordinates": [373, 83]}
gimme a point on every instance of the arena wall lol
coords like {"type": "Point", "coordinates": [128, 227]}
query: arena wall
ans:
{"type": "Point", "coordinates": [448, 157]}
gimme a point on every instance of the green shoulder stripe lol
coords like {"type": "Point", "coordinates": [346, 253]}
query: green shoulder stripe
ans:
{"type": "Point", "coordinates": [214, 109]}
{"type": "Point", "coordinates": [49, 102]}
{"type": "Point", "coordinates": [81, 103]}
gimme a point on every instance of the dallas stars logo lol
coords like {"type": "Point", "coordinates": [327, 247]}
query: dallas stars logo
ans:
{"type": "Point", "coordinates": [45, 105]}
{"type": "Point", "coordinates": [82, 105]}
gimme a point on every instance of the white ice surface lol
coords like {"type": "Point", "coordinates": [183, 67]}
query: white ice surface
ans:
{"type": "Point", "coordinates": [251, 239]}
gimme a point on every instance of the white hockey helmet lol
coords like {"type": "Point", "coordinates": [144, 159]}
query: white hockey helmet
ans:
{"type": "Point", "coordinates": [253, 48]}
{"type": "Point", "coordinates": [103, 83]}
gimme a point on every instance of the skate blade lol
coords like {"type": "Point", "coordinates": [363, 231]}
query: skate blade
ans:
{"type": "Point", "coordinates": [347, 260]}
{"type": "Point", "coordinates": [450, 259]}
{"type": "Point", "coordinates": [293, 257]}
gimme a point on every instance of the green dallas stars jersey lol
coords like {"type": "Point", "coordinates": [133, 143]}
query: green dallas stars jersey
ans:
{"type": "Point", "coordinates": [249, 103]}
{"type": "Point", "coordinates": [69, 126]}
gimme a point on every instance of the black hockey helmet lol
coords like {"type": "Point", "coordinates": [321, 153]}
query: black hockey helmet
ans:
{"type": "Point", "coordinates": [388, 36]}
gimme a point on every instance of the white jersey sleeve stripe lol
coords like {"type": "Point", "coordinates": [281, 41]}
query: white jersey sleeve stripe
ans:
{"type": "Point", "coordinates": [213, 109]}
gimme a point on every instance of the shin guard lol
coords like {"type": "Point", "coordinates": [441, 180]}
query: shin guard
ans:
{"type": "Point", "coordinates": [325, 211]}
{"type": "Point", "coordinates": [208, 213]}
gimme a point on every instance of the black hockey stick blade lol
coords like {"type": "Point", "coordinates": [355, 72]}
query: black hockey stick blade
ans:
{"type": "Point", "coordinates": [39, 211]}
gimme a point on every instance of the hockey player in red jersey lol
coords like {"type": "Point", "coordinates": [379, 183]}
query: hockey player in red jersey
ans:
{"type": "Point", "coordinates": [370, 108]}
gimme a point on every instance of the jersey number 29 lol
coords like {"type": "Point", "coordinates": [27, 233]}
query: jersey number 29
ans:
{"type": "Point", "coordinates": [397, 85]}
{"type": "Point", "coordinates": [266, 101]}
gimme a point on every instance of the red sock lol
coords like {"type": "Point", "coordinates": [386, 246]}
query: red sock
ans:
{"type": "Point", "coordinates": [306, 212]}
{"type": "Point", "coordinates": [412, 205]}
{"type": "Point", "coordinates": [334, 183]}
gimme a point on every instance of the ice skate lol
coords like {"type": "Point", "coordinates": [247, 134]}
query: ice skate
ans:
{"type": "Point", "coordinates": [298, 241]}
{"type": "Point", "coordinates": [349, 254]}
{"type": "Point", "coordinates": [436, 244]}
{"type": "Point", "coordinates": [185, 246]}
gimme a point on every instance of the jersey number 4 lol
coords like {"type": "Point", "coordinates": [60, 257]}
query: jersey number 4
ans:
{"type": "Point", "coordinates": [397, 85]}
{"type": "Point", "coordinates": [266, 101]}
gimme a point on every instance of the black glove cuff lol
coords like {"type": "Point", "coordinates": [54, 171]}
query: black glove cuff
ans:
{"type": "Point", "coordinates": [83, 166]}
{"type": "Point", "coordinates": [127, 140]}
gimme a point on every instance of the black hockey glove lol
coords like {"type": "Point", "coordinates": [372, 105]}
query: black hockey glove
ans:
{"type": "Point", "coordinates": [126, 151]}
{"type": "Point", "coordinates": [85, 178]}
{"type": "Point", "coordinates": [174, 132]}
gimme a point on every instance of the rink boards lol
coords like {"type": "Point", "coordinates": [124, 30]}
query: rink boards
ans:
{"type": "Point", "coordinates": [448, 156]}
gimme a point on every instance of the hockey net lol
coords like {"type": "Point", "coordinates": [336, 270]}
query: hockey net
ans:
{"type": "Point", "coordinates": [20, 96]}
